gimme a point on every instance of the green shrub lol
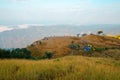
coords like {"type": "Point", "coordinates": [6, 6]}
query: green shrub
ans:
{"type": "Point", "coordinates": [15, 53]}
{"type": "Point", "coordinates": [101, 49]}
{"type": "Point", "coordinates": [74, 46]}
{"type": "Point", "coordinates": [48, 55]}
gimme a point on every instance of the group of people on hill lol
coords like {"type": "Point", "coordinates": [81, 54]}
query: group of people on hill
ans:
{"type": "Point", "coordinates": [88, 47]}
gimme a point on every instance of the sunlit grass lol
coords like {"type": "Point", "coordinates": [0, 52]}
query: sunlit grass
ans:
{"type": "Point", "coordinates": [67, 68]}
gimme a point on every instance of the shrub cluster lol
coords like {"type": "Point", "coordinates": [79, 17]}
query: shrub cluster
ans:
{"type": "Point", "coordinates": [101, 49]}
{"type": "Point", "coordinates": [74, 46]}
{"type": "Point", "coordinates": [15, 53]}
{"type": "Point", "coordinates": [48, 55]}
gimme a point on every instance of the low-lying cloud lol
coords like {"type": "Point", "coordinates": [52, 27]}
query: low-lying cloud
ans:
{"type": "Point", "coordinates": [24, 26]}
{"type": "Point", "coordinates": [5, 28]}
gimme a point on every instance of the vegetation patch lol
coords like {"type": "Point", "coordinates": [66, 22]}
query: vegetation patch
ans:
{"type": "Point", "coordinates": [66, 68]}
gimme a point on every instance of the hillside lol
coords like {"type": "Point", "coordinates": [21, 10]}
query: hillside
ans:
{"type": "Point", "coordinates": [101, 41]}
{"type": "Point", "coordinates": [60, 45]}
{"type": "Point", "coordinates": [66, 68]}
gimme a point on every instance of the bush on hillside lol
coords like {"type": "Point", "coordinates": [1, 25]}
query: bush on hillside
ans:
{"type": "Point", "coordinates": [101, 49]}
{"type": "Point", "coordinates": [48, 55]}
{"type": "Point", "coordinates": [74, 46]}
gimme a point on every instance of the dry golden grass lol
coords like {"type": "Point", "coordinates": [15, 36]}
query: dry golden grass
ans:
{"type": "Point", "coordinates": [60, 45]}
{"type": "Point", "coordinates": [66, 68]}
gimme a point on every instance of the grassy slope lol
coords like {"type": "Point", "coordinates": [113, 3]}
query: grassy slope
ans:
{"type": "Point", "coordinates": [66, 68]}
{"type": "Point", "coordinates": [60, 45]}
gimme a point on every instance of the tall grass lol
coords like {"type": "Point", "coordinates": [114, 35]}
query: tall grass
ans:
{"type": "Point", "coordinates": [67, 68]}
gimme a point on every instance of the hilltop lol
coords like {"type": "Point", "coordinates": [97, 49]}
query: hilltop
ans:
{"type": "Point", "coordinates": [60, 45]}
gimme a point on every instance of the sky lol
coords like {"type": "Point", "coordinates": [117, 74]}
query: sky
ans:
{"type": "Point", "coordinates": [15, 12]}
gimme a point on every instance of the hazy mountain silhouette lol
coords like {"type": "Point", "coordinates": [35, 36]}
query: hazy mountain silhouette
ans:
{"type": "Point", "coordinates": [23, 37]}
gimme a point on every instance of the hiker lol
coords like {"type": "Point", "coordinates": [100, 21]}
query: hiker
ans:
{"type": "Point", "coordinates": [87, 48]}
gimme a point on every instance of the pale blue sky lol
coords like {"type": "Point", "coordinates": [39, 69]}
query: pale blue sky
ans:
{"type": "Point", "coordinates": [59, 12]}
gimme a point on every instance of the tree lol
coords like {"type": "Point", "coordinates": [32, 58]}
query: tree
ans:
{"type": "Point", "coordinates": [15, 53]}
{"type": "Point", "coordinates": [78, 35]}
{"type": "Point", "coordinates": [4, 53]}
{"type": "Point", "coordinates": [84, 34]}
{"type": "Point", "coordinates": [20, 53]}
{"type": "Point", "coordinates": [99, 32]}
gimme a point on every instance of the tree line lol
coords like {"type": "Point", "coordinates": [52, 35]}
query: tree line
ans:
{"type": "Point", "coordinates": [21, 53]}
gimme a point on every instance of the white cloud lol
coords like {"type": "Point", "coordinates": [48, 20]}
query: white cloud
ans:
{"type": "Point", "coordinates": [5, 28]}
{"type": "Point", "coordinates": [24, 26]}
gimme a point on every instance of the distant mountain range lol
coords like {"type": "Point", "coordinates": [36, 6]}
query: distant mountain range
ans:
{"type": "Point", "coordinates": [17, 38]}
